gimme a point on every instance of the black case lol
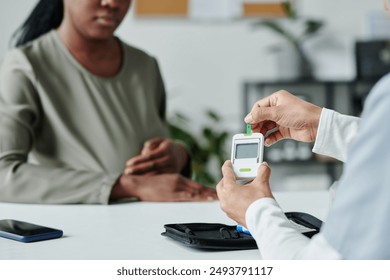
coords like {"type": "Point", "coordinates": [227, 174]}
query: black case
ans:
{"type": "Point", "coordinates": [215, 236]}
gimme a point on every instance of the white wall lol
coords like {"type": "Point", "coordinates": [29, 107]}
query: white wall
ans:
{"type": "Point", "coordinates": [205, 63]}
{"type": "Point", "coordinates": [12, 15]}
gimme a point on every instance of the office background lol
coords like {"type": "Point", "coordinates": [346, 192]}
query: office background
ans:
{"type": "Point", "coordinates": [205, 63]}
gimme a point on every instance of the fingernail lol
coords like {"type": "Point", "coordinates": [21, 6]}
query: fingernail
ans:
{"type": "Point", "coordinates": [265, 163]}
{"type": "Point", "coordinates": [267, 143]}
{"type": "Point", "coordinates": [248, 118]}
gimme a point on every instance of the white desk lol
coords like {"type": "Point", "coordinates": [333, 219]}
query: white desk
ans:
{"type": "Point", "coordinates": [132, 231]}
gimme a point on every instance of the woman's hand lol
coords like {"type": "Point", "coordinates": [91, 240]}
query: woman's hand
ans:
{"type": "Point", "coordinates": [161, 188]}
{"type": "Point", "coordinates": [158, 156]}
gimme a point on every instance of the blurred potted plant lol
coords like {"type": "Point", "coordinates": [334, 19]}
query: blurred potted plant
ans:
{"type": "Point", "coordinates": [205, 150]}
{"type": "Point", "coordinates": [308, 28]}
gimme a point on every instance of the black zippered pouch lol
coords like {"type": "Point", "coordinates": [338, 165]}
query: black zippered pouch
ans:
{"type": "Point", "coordinates": [215, 236]}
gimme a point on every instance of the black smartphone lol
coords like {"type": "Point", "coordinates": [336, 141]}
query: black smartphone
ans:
{"type": "Point", "coordinates": [27, 232]}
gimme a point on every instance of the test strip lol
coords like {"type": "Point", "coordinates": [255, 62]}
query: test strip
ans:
{"type": "Point", "coordinates": [248, 129]}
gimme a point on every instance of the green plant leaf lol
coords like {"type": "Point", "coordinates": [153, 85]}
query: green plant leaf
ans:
{"type": "Point", "coordinates": [277, 28]}
{"type": "Point", "coordinates": [288, 9]}
{"type": "Point", "coordinates": [313, 26]}
{"type": "Point", "coordinates": [182, 135]}
{"type": "Point", "coordinates": [310, 26]}
{"type": "Point", "coordinates": [213, 116]}
{"type": "Point", "coordinates": [210, 145]}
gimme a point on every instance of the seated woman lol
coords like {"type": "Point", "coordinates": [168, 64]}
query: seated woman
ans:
{"type": "Point", "coordinates": [82, 114]}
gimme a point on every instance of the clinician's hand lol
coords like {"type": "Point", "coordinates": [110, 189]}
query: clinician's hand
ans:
{"type": "Point", "coordinates": [235, 198]}
{"type": "Point", "coordinates": [161, 188]}
{"type": "Point", "coordinates": [158, 156]}
{"type": "Point", "coordinates": [287, 116]}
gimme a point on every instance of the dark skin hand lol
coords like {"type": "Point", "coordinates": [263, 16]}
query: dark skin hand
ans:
{"type": "Point", "coordinates": [158, 156]}
{"type": "Point", "coordinates": [160, 188]}
{"type": "Point", "coordinates": [154, 175]}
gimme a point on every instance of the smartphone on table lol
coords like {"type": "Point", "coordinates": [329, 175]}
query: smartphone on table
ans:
{"type": "Point", "coordinates": [27, 232]}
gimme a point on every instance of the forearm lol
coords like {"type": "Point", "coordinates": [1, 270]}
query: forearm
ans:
{"type": "Point", "coordinates": [335, 133]}
{"type": "Point", "coordinates": [28, 183]}
{"type": "Point", "coordinates": [126, 186]}
{"type": "Point", "coordinates": [277, 239]}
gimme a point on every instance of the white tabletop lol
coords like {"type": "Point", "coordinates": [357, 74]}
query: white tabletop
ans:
{"type": "Point", "coordinates": [132, 230]}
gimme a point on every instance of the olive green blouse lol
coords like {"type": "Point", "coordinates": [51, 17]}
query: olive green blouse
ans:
{"type": "Point", "coordinates": [65, 133]}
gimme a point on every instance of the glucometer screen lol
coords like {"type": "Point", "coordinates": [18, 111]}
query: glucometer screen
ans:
{"type": "Point", "coordinates": [247, 150]}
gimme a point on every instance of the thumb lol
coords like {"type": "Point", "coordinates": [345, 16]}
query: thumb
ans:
{"type": "Point", "coordinates": [263, 173]}
{"type": "Point", "coordinates": [151, 144]}
{"type": "Point", "coordinates": [262, 179]}
{"type": "Point", "coordinates": [260, 114]}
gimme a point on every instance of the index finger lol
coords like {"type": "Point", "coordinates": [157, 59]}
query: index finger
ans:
{"type": "Point", "coordinates": [265, 102]}
{"type": "Point", "coordinates": [261, 113]}
{"type": "Point", "coordinates": [137, 159]}
{"type": "Point", "coordinates": [227, 172]}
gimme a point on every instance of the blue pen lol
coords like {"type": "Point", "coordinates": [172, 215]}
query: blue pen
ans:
{"type": "Point", "coordinates": [242, 229]}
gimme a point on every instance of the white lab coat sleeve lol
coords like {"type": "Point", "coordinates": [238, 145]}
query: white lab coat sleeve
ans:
{"type": "Point", "coordinates": [335, 133]}
{"type": "Point", "coordinates": [277, 239]}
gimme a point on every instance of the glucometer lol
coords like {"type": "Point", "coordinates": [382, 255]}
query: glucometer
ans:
{"type": "Point", "coordinates": [247, 154]}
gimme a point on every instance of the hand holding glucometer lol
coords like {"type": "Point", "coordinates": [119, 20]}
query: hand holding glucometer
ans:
{"type": "Point", "coordinates": [27, 232]}
{"type": "Point", "coordinates": [246, 158]}
{"type": "Point", "coordinates": [247, 155]}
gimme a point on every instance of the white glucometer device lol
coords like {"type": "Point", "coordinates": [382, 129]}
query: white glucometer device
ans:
{"type": "Point", "coordinates": [247, 155]}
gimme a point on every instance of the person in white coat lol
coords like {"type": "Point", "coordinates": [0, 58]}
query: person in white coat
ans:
{"type": "Point", "coordinates": [357, 226]}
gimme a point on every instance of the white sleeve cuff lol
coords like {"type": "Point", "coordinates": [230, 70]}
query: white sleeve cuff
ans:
{"type": "Point", "coordinates": [334, 134]}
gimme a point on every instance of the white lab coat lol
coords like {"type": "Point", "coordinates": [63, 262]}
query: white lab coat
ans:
{"type": "Point", "coordinates": [358, 224]}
